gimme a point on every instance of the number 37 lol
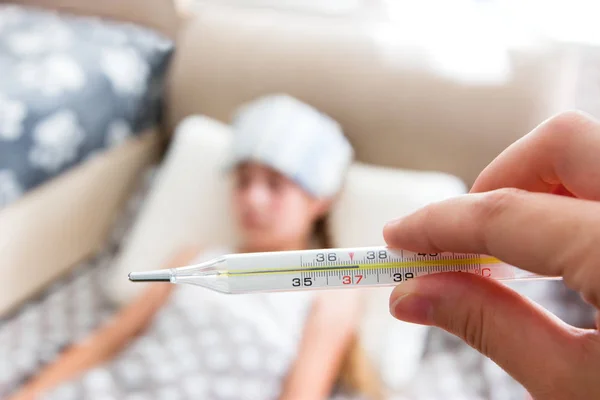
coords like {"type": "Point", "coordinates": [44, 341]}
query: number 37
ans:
{"type": "Point", "coordinates": [347, 279]}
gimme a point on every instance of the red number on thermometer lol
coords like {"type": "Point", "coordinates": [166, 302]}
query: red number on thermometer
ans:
{"type": "Point", "coordinates": [347, 279]}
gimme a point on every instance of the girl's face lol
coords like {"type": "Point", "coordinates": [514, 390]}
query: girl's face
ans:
{"type": "Point", "coordinates": [273, 212]}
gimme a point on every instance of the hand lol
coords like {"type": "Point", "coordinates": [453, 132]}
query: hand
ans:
{"type": "Point", "coordinates": [547, 223]}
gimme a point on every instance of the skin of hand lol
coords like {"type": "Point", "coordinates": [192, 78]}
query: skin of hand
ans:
{"type": "Point", "coordinates": [536, 206]}
{"type": "Point", "coordinates": [329, 330]}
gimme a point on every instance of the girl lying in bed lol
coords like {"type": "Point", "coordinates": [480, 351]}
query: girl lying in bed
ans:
{"type": "Point", "coordinates": [289, 161]}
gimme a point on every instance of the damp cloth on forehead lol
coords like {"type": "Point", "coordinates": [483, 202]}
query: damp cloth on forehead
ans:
{"type": "Point", "coordinates": [295, 139]}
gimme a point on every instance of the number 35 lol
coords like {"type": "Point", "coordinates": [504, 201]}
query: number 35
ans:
{"type": "Point", "coordinates": [306, 282]}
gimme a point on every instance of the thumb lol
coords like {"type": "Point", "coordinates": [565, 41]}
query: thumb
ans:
{"type": "Point", "coordinates": [523, 339]}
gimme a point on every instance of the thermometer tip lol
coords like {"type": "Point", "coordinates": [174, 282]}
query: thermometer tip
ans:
{"type": "Point", "coordinates": [150, 276]}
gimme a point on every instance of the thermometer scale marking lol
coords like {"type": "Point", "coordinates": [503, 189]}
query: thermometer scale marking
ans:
{"type": "Point", "coordinates": [329, 268]}
{"type": "Point", "coordinates": [380, 267]}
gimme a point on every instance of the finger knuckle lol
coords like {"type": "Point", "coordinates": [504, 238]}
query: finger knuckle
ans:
{"type": "Point", "coordinates": [472, 328]}
{"type": "Point", "coordinates": [431, 214]}
{"type": "Point", "coordinates": [591, 296]}
{"type": "Point", "coordinates": [581, 349]}
{"type": "Point", "coordinates": [494, 204]}
{"type": "Point", "coordinates": [490, 209]}
{"type": "Point", "coordinates": [578, 264]}
{"type": "Point", "coordinates": [561, 127]}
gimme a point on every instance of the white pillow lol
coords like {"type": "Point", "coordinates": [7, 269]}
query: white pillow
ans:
{"type": "Point", "coordinates": [188, 205]}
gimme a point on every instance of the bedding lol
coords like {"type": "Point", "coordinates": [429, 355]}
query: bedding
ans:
{"type": "Point", "coordinates": [71, 308]}
{"type": "Point", "coordinates": [70, 88]}
{"type": "Point", "coordinates": [36, 333]}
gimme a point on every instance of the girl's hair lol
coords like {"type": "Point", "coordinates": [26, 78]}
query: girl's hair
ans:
{"type": "Point", "coordinates": [357, 374]}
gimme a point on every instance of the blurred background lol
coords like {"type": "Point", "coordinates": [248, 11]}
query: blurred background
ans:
{"type": "Point", "coordinates": [94, 93]}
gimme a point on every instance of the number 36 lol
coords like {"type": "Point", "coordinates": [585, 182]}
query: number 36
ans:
{"type": "Point", "coordinates": [321, 257]}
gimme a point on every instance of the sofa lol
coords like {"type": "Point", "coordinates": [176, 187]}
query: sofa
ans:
{"type": "Point", "coordinates": [396, 114]}
{"type": "Point", "coordinates": [64, 215]}
{"type": "Point", "coordinates": [397, 111]}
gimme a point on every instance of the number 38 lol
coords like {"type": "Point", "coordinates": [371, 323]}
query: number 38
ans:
{"type": "Point", "coordinates": [381, 254]}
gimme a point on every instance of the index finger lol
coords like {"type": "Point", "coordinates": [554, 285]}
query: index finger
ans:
{"type": "Point", "coordinates": [545, 234]}
{"type": "Point", "coordinates": [562, 151]}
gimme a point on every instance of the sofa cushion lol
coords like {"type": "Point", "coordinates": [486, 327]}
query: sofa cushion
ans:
{"type": "Point", "coordinates": [71, 87]}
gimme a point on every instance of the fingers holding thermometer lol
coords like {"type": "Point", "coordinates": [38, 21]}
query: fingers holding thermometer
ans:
{"type": "Point", "coordinates": [518, 335]}
{"type": "Point", "coordinates": [531, 229]}
{"type": "Point", "coordinates": [545, 234]}
{"type": "Point", "coordinates": [560, 155]}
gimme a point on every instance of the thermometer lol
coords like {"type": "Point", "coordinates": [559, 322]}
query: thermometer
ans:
{"type": "Point", "coordinates": [328, 269]}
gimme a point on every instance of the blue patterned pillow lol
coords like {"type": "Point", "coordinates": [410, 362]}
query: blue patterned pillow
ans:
{"type": "Point", "coordinates": [70, 87]}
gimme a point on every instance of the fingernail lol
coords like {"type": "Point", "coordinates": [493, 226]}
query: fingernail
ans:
{"type": "Point", "coordinates": [409, 306]}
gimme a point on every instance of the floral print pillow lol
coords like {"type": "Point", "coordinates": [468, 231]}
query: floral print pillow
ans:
{"type": "Point", "coordinates": [70, 88]}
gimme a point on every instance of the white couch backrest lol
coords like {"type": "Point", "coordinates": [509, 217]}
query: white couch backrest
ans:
{"type": "Point", "coordinates": [403, 102]}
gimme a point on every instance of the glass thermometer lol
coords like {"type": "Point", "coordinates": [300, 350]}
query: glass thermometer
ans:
{"type": "Point", "coordinates": [328, 268]}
